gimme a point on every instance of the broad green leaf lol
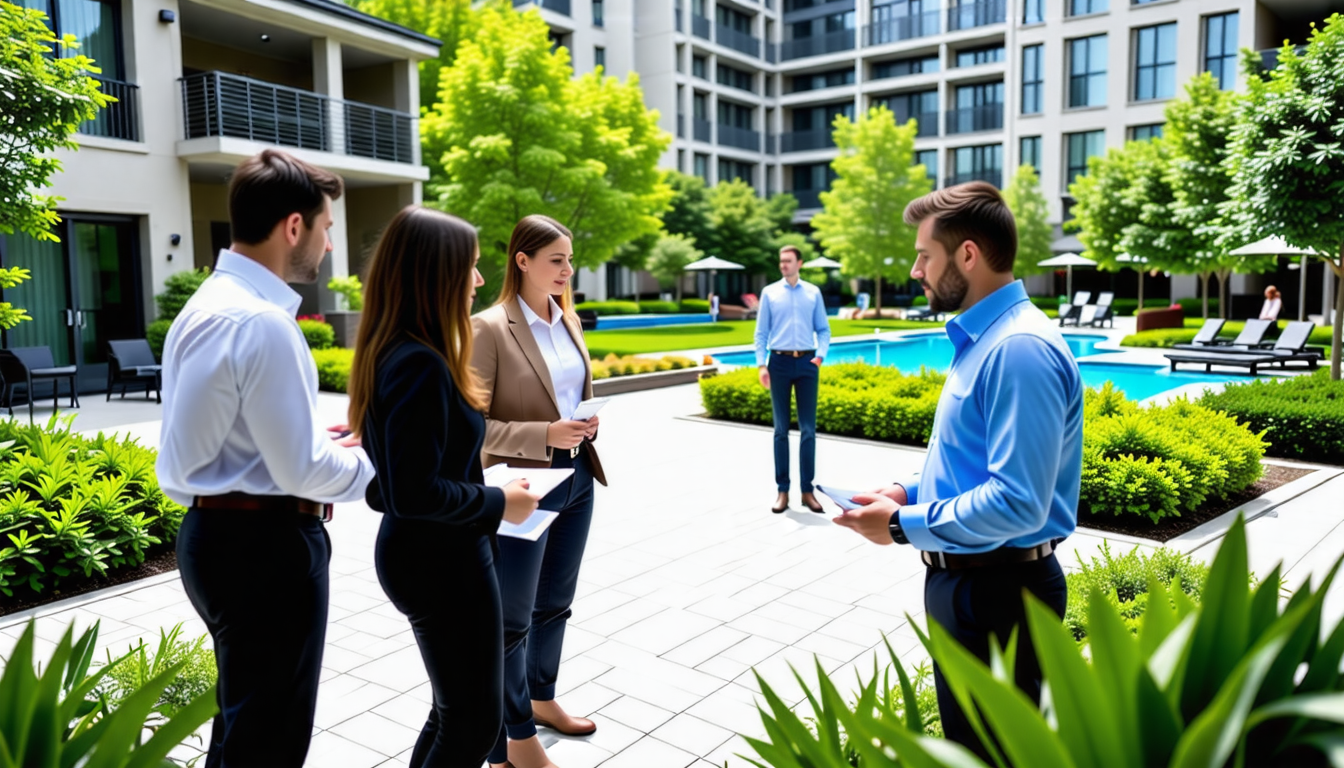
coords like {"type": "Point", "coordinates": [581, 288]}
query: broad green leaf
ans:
{"type": "Point", "coordinates": [1222, 626]}
{"type": "Point", "coordinates": [1160, 724]}
{"type": "Point", "coordinates": [1323, 674]}
{"type": "Point", "coordinates": [1331, 745]}
{"type": "Point", "coordinates": [127, 720]}
{"type": "Point", "coordinates": [1115, 662]}
{"type": "Point", "coordinates": [1322, 706]}
{"type": "Point", "coordinates": [44, 738]}
{"type": "Point", "coordinates": [961, 691]}
{"type": "Point", "coordinates": [16, 692]}
{"type": "Point", "coordinates": [913, 720]}
{"type": "Point", "coordinates": [914, 750]}
{"type": "Point", "coordinates": [175, 731]}
{"type": "Point", "coordinates": [1158, 620]}
{"type": "Point", "coordinates": [1265, 603]}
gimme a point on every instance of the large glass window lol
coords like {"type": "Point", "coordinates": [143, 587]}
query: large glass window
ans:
{"type": "Point", "coordinates": [905, 67]}
{"type": "Point", "coordinates": [599, 56]}
{"type": "Point", "coordinates": [1033, 11]}
{"type": "Point", "coordinates": [1081, 146]}
{"type": "Point", "coordinates": [1084, 7]}
{"type": "Point", "coordinates": [1220, 49]}
{"type": "Point", "coordinates": [1030, 152]}
{"type": "Point", "coordinates": [1033, 79]}
{"type": "Point", "coordinates": [983, 163]}
{"type": "Point", "coordinates": [1145, 132]}
{"type": "Point", "coordinates": [698, 64]}
{"type": "Point", "coordinates": [1155, 62]}
{"type": "Point", "coordinates": [1087, 71]}
{"type": "Point", "coordinates": [985, 55]}
{"type": "Point", "coordinates": [735, 115]}
{"type": "Point", "coordinates": [736, 78]}
{"type": "Point", "coordinates": [599, 13]}
{"type": "Point", "coordinates": [701, 168]}
{"type": "Point", "coordinates": [733, 19]}
{"type": "Point", "coordinates": [815, 80]}
{"type": "Point", "coordinates": [735, 169]}
{"type": "Point", "coordinates": [95, 25]}
{"type": "Point", "coordinates": [920, 105]}
{"type": "Point", "coordinates": [929, 159]}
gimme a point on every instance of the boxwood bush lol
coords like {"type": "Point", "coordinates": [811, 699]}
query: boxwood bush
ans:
{"type": "Point", "coordinates": [1302, 416]}
{"type": "Point", "coordinates": [610, 307]}
{"type": "Point", "coordinates": [695, 306]}
{"type": "Point", "coordinates": [333, 368]}
{"type": "Point", "coordinates": [72, 507]}
{"type": "Point", "coordinates": [318, 334]}
{"type": "Point", "coordinates": [658, 308]}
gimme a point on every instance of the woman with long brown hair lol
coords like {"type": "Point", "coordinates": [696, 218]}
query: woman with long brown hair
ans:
{"type": "Point", "coordinates": [534, 369]}
{"type": "Point", "coordinates": [417, 406]}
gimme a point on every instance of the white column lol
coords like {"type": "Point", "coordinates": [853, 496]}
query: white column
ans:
{"type": "Point", "coordinates": [329, 80]}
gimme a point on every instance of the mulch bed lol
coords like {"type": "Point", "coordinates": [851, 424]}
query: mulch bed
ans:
{"type": "Point", "coordinates": [1171, 527]}
{"type": "Point", "coordinates": [157, 560]}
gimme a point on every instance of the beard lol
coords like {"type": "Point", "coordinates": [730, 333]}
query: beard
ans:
{"type": "Point", "coordinates": [950, 293]}
{"type": "Point", "coordinates": [305, 261]}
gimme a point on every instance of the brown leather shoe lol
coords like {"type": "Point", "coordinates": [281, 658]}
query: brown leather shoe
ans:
{"type": "Point", "coordinates": [781, 503]}
{"type": "Point", "coordinates": [811, 502]}
{"type": "Point", "coordinates": [557, 719]}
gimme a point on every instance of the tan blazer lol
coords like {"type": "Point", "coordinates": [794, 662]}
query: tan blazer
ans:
{"type": "Point", "coordinates": [520, 398]}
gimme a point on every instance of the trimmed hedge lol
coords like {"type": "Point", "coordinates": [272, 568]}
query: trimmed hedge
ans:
{"type": "Point", "coordinates": [610, 307]}
{"type": "Point", "coordinates": [613, 365]}
{"type": "Point", "coordinates": [333, 368]}
{"type": "Point", "coordinates": [1156, 462]}
{"type": "Point", "coordinates": [654, 307]}
{"type": "Point", "coordinates": [695, 306]}
{"type": "Point", "coordinates": [318, 334]}
{"type": "Point", "coordinates": [1302, 416]}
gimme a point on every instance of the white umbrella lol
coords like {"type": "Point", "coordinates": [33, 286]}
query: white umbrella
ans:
{"type": "Point", "coordinates": [712, 264]}
{"type": "Point", "coordinates": [1277, 246]}
{"type": "Point", "coordinates": [822, 262]}
{"type": "Point", "coordinates": [1068, 261]}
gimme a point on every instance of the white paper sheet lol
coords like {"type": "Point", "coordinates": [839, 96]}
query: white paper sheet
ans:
{"type": "Point", "coordinates": [840, 496]}
{"type": "Point", "coordinates": [540, 481]}
{"type": "Point", "coordinates": [589, 408]}
{"type": "Point", "coordinates": [531, 528]}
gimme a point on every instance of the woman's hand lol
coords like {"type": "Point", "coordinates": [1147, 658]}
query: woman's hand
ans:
{"type": "Point", "coordinates": [519, 502]}
{"type": "Point", "coordinates": [591, 431]}
{"type": "Point", "coordinates": [566, 433]}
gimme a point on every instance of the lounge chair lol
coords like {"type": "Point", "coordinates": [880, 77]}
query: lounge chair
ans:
{"type": "Point", "coordinates": [28, 366]}
{"type": "Point", "coordinates": [1293, 340]}
{"type": "Point", "coordinates": [1252, 336]}
{"type": "Point", "coordinates": [131, 361]}
{"type": "Point", "coordinates": [1252, 360]}
{"type": "Point", "coordinates": [1069, 313]}
{"type": "Point", "coordinates": [1207, 336]}
{"type": "Point", "coordinates": [923, 313]}
{"type": "Point", "coordinates": [1104, 312]}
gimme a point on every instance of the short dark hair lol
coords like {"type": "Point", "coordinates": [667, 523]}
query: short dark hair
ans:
{"type": "Point", "coordinates": [267, 188]}
{"type": "Point", "coordinates": [797, 254]}
{"type": "Point", "coordinates": [972, 211]}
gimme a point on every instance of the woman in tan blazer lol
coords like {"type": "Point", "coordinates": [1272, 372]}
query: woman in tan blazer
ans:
{"type": "Point", "coordinates": [530, 357]}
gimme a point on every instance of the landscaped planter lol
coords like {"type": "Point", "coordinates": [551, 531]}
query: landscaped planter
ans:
{"type": "Point", "coordinates": [346, 325]}
{"type": "Point", "coordinates": [642, 381]}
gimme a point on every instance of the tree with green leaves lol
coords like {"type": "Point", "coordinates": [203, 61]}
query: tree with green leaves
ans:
{"type": "Point", "coordinates": [862, 223]}
{"type": "Point", "coordinates": [45, 94]}
{"type": "Point", "coordinates": [668, 260]}
{"type": "Point", "coordinates": [449, 21]}
{"type": "Point", "coordinates": [688, 213]}
{"type": "Point", "coordinates": [741, 228]}
{"type": "Point", "coordinates": [1031, 211]}
{"type": "Point", "coordinates": [515, 134]}
{"type": "Point", "coordinates": [1287, 156]}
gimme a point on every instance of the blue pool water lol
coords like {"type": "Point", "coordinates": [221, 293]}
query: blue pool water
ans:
{"type": "Point", "coordinates": [608, 322]}
{"type": "Point", "coordinates": [935, 351]}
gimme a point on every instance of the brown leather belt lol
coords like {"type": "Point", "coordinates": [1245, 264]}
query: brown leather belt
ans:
{"type": "Point", "coordinates": [1000, 556]}
{"type": "Point", "coordinates": [809, 353]}
{"type": "Point", "coordinates": [250, 503]}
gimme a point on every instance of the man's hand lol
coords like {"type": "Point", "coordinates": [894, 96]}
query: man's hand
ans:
{"type": "Point", "coordinates": [765, 377]}
{"type": "Point", "coordinates": [871, 521]}
{"type": "Point", "coordinates": [894, 492]}
{"type": "Point", "coordinates": [816, 361]}
{"type": "Point", "coordinates": [591, 432]}
{"type": "Point", "coordinates": [341, 434]}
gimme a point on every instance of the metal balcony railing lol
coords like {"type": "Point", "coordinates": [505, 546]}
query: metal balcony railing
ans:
{"type": "Point", "coordinates": [831, 42]}
{"type": "Point", "coordinates": [704, 130]}
{"type": "Point", "coordinates": [807, 198]}
{"type": "Point", "coordinates": [700, 26]}
{"type": "Point", "coordinates": [119, 119]}
{"type": "Point", "coordinates": [992, 175]}
{"type": "Point", "coordinates": [902, 28]}
{"type": "Point", "coordinates": [220, 104]}
{"type": "Point", "coordinates": [738, 41]}
{"type": "Point", "coordinates": [968, 15]}
{"type": "Point", "coordinates": [772, 53]}
{"type": "Point", "coordinates": [801, 141]}
{"type": "Point", "coordinates": [971, 119]}
{"type": "Point", "coordinates": [926, 122]}
{"type": "Point", "coordinates": [559, 6]}
{"type": "Point", "coordinates": [742, 138]}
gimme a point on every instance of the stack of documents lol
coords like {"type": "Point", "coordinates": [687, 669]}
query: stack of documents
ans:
{"type": "Point", "coordinates": [540, 482]}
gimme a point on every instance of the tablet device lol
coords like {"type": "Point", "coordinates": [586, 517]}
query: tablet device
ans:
{"type": "Point", "coordinates": [589, 408]}
{"type": "Point", "coordinates": [839, 496]}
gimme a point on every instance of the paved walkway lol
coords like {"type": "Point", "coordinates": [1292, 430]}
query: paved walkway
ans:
{"type": "Point", "coordinates": [689, 582]}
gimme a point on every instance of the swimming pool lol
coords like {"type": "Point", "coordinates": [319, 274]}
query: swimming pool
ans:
{"type": "Point", "coordinates": [935, 351]}
{"type": "Point", "coordinates": [608, 322]}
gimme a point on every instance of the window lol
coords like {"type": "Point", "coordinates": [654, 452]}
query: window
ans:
{"type": "Point", "coordinates": [735, 115]}
{"type": "Point", "coordinates": [1084, 7]}
{"type": "Point", "coordinates": [1080, 147]}
{"type": "Point", "coordinates": [921, 105]}
{"type": "Point", "coordinates": [1033, 79]}
{"type": "Point", "coordinates": [984, 163]}
{"type": "Point", "coordinates": [976, 108]}
{"type": "Point", "coordinates": [820, 118]}
{"type": "Point", "coordinates": [1087, 71]}
{"type": "Point", "coordinates": [599, 56]}
{"type": "Point", "coordinates": [929, 159]}
{"type": "Point", "coordinates": [1145, 132]}
{"type": "Point", "coordinates": [733, 19]}
{"type": "Point", "coordinates": [681, 160]}
{"type": "Point", "coordinates": [598, 14]}
{"type": "Point", "coordinates": [1220, 49]}
{"type": "Point", "coordinates": [905, 67]}
{"type": "Point", "coordinates": [815, 80]}
{"type": "Point", "coordinates": [735, 169]}
{"type": "Point", "coordinates": [896, 20]}
{"type": "Point", "coordinates": [95, 25]}
{"type": "Point", "coordinates": [700, 106]}
{"type": "Point", "coordinates": [698, 67]}
{"type": "Point", "coordinates": [1029, 152]}
{"type": "Point", "coordinates": [1155, 62]}
{"type": "Point", "coordinates": [736, 78]}
{"type": "Point", "coordinates": [839, 22]}
{"type": "Point", "coordinates": [681, 59]}
{"type": "Point", "coordinates": [702, 166]}
{"type": "Point", "coordinates": [973, 56]}
{"type": "Point", "coordinates": [1033, 11]}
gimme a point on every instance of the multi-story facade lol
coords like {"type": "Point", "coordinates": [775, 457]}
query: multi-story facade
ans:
{"type": "Point", "coordinates": [202, 85]}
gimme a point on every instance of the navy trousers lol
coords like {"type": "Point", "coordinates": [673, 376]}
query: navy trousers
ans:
{"type": "Point", "coordinates": [537, 580]}
{"type": "Point", "coordinates": [259, 580]}
{"type": "Point", "coordinates": [972, 604]}
{"type": "Point", "coordinates": [443, 579]}
{"type": "Point", "coordinates": [787, 375]}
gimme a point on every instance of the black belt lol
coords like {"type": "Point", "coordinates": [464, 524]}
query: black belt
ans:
{"type": "Point", "coordinates": [1000, 556]}
{"type": "Point", "coordinates": [808, 353]}
{"type": "Point", "coordinates": [250, 503]}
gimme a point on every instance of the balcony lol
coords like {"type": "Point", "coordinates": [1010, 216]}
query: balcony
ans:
{"type": "Point", "coordinates": [830, 42]}
{"type": "Point", "coordinates": [700, 26]}
{"type": "Point", "coordinates": [992, 175]}
{"type": "Point", "coordinates": [926, 122]}
{"type": "Point", "coordinates": [801, 141]}
{"type": "Point", "coordinates": [119, 119]}
{"type": "Point", "coordinates": [981, 13]}
{"type": "Point", "coordinates": [738, 41]}
{"type": "Point", "coordinates": [704, 130]}
{"type": "Point", "coordinates": [971, 119]}
{"type": "Point", "coordinates": [902, 28]}
{"type": "Point", "coordinates": [807, 198]}
{"type": "Point", "coordinates": [219, 104]}
{"type": "Point", "coordinates": [559, 6]}
{"type": "Point", "coordinates": [742, 138]}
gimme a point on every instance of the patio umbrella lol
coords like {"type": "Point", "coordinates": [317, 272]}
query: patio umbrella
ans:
{"type": "Point", "coordinates": [711, 264]}
{"type": "Point", "coordinates": [1277, 246]}
{"type": "Point", "coordinates": [823, 262]}
{"type": "Point", "coordinates": [1068, 261]}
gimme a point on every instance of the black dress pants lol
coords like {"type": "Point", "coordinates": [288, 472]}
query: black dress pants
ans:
{"type": "Point", "coordinates": [973, 603]}
{"type": "Point", "coordinates": [259, 580]}
{"type": "Point", "coordinates": [443, 579]}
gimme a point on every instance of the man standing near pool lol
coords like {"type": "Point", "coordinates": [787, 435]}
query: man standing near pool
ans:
{"type": "Point", "coordinates": [1000, 483]}
{"type": "Point", "coordinates": [792, 335]}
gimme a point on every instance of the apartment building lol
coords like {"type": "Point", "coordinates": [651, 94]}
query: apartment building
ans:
{"type": "Point", "coordinates": [200, 86]}
{"type": "Point", "coordinates": [749, 88]}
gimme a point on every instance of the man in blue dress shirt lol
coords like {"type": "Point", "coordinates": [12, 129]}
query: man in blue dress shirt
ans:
{"type": "Point", "coordinates": [1000, 483]}
{"type": "Point", "coordinates": [792, 335]}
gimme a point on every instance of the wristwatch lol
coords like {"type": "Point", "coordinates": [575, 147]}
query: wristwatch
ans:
{"type": "Point", "coordinates": [897, 533]}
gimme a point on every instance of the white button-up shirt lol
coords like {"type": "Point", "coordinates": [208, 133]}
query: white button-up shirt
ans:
{"type": "Point", "coordinates": [240, 397]}
{"type": "Point", "coordinates": [563, 359]}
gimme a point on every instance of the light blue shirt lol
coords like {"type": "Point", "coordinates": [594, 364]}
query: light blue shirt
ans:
{"type": "Point", "coordinates": [1006, 455]}
{"type": "Point", "coordinates": [789, 317]}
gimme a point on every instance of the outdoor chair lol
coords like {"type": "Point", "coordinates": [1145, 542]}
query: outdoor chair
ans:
{"type": "Point", "coordinates": [1251, 337]}
{"type": "Point", "coordinates": [587, 319]}
{"type": "Point", "coordinates": [29, 366]}
{"type": "Point", "coordinates": [1252, 360]}
{"type": "Point", "coordinates": [1069, 313]}
{"type": "Point", "coordinates": [1104, 312]}
{"type": "Point", "coordinates": [132, 362]}
{"type": "Point", "coordinates": [1208, 334]}
{"type": "Point", "coordinates": [925, 313]}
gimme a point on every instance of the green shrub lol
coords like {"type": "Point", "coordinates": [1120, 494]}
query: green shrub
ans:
{"type": "Point", "coordinates": [610, 307]}
{"type": "Point", "coordinates": [1195, 307]}
{"type": "Point", "coordinates": [319, 335]}
{"type": "Point", "coordinates": [349, 287]}
{"type": "Point", "coordinates": [73, 507]}
{"type": "Point", "coordinates": [1124, 580]}
{"type": "Point", "coordinates": [1302, 416]}
{"type": "Point", "coordinates": [1160, 338]}
{"type": "Point", "coordinates": [196, 674]}
{"type": "Point", "coordinates": [695, 306]}
{"type": "Point", "coordinates": [333, 368]}
{"type": "Point", "coordinates": [658, 308]}
{"type": "Point", "coordinates": [157, 333]}
{"type": "Point", "coordinates": [920, 301]}
{"type": "Point", "coordinates": [180, 287]}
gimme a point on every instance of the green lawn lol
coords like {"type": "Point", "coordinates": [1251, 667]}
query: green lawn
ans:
{"type": "Point", "coordinates": [670, 338]}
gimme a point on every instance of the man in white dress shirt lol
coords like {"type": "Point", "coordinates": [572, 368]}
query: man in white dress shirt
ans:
{"type": "Point", "coordinates": [241, 447]}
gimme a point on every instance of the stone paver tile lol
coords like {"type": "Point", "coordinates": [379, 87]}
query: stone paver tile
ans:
{"type": "Point", "coordinates": [600, 601]}
{"type": "Point", "coordinates": [826, 606]}
{"type": "Point", "coordinates": [835, 589]}
{"type": "Point", "coordinates": [121, 608]}
{"type": "Point", "coordinates": [377, 733]}
{"type": "Point", "coordinates": [793, 615]}
{"type": "Point", "coordinates": [341, 660]}
{"type": "Point", "coordinates": [579, 641]}
{"type": "Point", "coordinates": [372, 623]}
{"type": "Point", "coordinates": [332, 751]}
{"type": "Point", "coordinates": [834, 647]}
{"type": "Point", "coordinates": [704, 647]}
{"type": "Point", "coordinates": [732, 707]}
{"type": "Point", "coordinates": [760, 593]}
{"type": "Point", "coordinates": [755, 624]}
{"type": "Point", "coordinates": [400, 670]}
{"type": "Point", "coordinates": [577, 753]}
{"type": "Point", "coordinates": [577, 671]}
{"type": "Point", "coordinates": [648, 689]}
{"type": "Point", "coordinates": [723, 668]}
{"type": "Point", "coordinates": [350, 600]}
{"type": "Point", "coordinates": [610, 735]}
{"type": "Point", "coordinates": [778, 672]}
{"type": "Point", "coordinates": [391, 644]}
{"type": "Point", "coordinates": [588, 698]}
{"type": "Point", "coordinates": [395, 762]}
{"type": "Point", "coordinates": [345, 696]}
{"type": "Point", "coordinates": [628, 657]}
{"type": "Point", "coordinates": [753, 650]}
{"type": "Point", "coordinates": [351, 639]}
{"type": "Point", "coordinates": [406, 710]}
{"type": "Point", "coordinates": [610, 622]}
{"type": "Point", "coordinates": [649, 752]}
{"type": "Point", "coordinates": [664, 631]}
{"type": "Point", "coordinates": [722, 608]}
{"type": "Point", "coordinates": [692, 734]}
{"type": "Point", "coordinates": [637, 714]}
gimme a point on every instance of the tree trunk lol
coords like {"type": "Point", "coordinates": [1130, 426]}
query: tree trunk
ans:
{"type": "Point", "coordinates": [1338, 269]}
{"type": "Point", "coordinates": [1140, 292]}
{"type": "Point", "coordinates": [1204, 281]}
{"type": "Point", "coordinates": [877, 297]}
{"type": "Point", "coordinates": [680, 279]}
{"type": "Point", "coordinates": [1223, 276]}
